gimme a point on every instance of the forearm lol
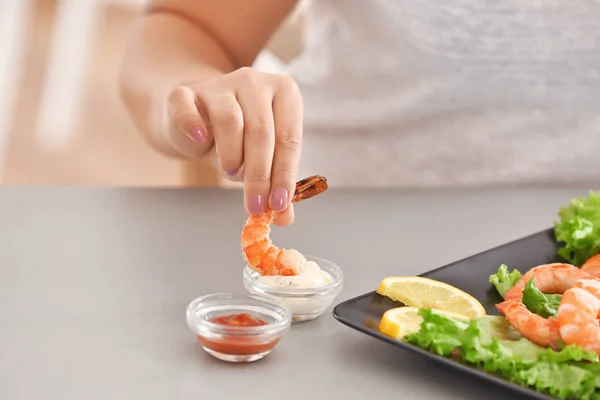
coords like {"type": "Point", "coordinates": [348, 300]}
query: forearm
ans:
{"type": "Point", "coordinates": [166, 50]}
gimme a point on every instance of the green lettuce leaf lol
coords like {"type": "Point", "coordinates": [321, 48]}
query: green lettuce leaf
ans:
{"type": "Point", "coordinates": [544, 305]}
{"type": "Point", "coordinates": [494, 326]}
{"type": "Point", "coordinates": [594, 368]}
{"type": "Point", "coordinates": [503, 280]}
{"type": "Point", "coordinates": [439, 333]}
{"type": "Point", "coordinates": [568, 373]}
{"type": "Point", "coordinates": [563, 381]}
{"type": "Point", "coordinates": [481, 348]}
{"type": "Point", "coordinates": [578, 230]}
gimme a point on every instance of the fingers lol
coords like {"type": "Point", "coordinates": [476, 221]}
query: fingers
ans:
{"type": "Point", "coordinates": [259, 146]}
{"type": "Point", "coordinates": [227, 126]}
{"type": "Point", "coordinates": [287, 112]}
{"type": "Point", "coordinates": [187, 130]}
{"type": "Point", "coordinates": [249, 125]}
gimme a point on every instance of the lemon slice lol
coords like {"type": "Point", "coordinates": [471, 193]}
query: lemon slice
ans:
{"type": "Point", "coordinates": [403, 321]}
{"type": "Point", "coordinates": [419, 292]}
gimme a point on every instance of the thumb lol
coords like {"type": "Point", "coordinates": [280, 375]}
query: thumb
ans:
{"type": "Point", "coordinates": [286, 217]}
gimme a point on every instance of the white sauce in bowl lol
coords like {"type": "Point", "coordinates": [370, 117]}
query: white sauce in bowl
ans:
{"type": "Point", "coordinates": [311, 277]}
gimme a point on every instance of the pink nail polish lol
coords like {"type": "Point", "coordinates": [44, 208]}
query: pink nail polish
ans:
{"type": "Point", "coordinates": [198, 135]}
{"type": "Point", "coordinates": [279, 201]}
{"type": "Point", "coordinates": [256, 205]}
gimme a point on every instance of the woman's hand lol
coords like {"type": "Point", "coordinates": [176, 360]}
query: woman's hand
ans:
{"type": "Point", "coordinates": [250, 125]}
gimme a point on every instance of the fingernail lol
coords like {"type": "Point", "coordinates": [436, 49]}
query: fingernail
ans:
{"type": "Point", "coordinates": [232, 172]}
{"type": "Point", "coordinates": [256, 205]}
{"type": "Point", "coordinates": [198, 135]}
{"type": "Point", "coordinates": [279, 200]}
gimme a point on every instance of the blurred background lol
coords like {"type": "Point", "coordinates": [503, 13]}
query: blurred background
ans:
{"type": "Point", "coordinates": [61, 120]}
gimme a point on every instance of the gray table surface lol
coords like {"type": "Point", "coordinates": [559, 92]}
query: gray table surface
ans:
{"type": "Point", "coordinates": [94, 285]}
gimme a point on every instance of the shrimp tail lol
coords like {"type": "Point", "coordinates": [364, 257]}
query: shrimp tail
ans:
{"type": "Point", "coordinates": [309, 187]}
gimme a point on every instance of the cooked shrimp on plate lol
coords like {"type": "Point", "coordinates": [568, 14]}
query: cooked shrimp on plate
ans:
{"type": "Point", "coordinates": [577, 316]}
{"type": "Point", "coordinates": [541, 331]}
{"type": "Point", "coordinates": [592, 265]}
{"type": "Point", "coordinates": [548, 278]}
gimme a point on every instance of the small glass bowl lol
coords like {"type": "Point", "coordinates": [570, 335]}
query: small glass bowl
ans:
{"type": "Point", "coordinates": [306, 304]}
{"type": "Point", "coordinates": [238, 343]}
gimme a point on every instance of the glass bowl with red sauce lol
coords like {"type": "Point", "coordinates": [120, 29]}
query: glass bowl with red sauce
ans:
{"type": "Point", "coordinates": [238, 327]}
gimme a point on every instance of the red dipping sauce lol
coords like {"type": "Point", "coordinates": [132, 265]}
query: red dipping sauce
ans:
{"type": "Point", "coordinates": [238, 344]}
{"type": "Point", "coordinates": [244, 319]}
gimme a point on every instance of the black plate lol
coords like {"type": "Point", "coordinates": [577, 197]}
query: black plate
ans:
{"type": "Point", "coordinates": [471, 274]}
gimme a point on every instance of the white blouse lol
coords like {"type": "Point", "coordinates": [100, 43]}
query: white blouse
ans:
{"type": "Point", "coordinates": [451, 92]}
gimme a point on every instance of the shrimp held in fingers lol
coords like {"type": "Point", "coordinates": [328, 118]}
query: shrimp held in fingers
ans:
{"type": "Point", "coordinates": [258, 250]}
{"type": "Point", "coordinates": [541, 331]}
{"type": "Point", "coordinates": [549, 278]}
{"type": "Point", "coordinates": [577, 316]}
{"type": "Point", "coordinates": [592, 265]}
